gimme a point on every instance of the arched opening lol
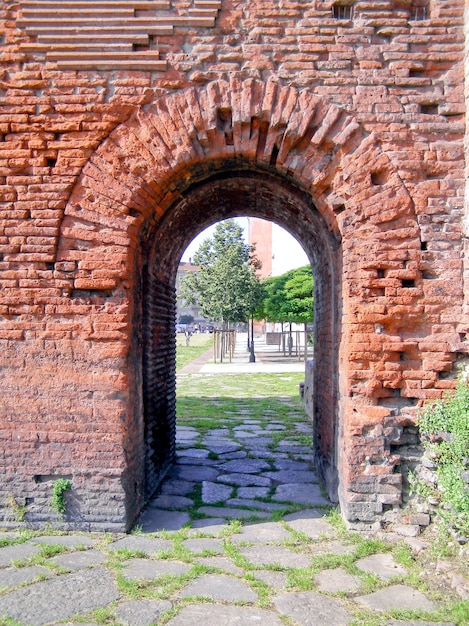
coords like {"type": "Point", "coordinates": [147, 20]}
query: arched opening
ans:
{"type": "Point", "coordinates": [201, 155]}
{"type": "Point", "coordinates": [233, 193]}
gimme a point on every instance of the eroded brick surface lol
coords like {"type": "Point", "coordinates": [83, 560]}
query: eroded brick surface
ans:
{"type": "Point", "coordinates": [348, 132]}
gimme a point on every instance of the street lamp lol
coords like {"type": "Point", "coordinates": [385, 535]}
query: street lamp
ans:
{"type": "Point", "coordinates": [252, 356]}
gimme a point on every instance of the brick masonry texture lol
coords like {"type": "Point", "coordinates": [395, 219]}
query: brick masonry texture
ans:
{"type": "Point", "coordinates": [123, 137]}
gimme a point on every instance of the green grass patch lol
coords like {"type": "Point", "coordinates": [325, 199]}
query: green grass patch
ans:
{"type": "Point", "coordinates": [444, 426]}
{"type": "Point", "coordinates": [198, 345]}
{"type": "Point", "coordinates": [249, 386]}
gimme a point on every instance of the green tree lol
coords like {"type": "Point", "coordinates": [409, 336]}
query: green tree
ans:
{"type": "Point", "coordinates": [299, 295]}
{"type": "Point", "coordinates": [226, 285]}
{"type": "Point", "coordinates": [289, 298]}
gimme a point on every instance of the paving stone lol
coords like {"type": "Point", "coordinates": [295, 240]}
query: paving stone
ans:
{"type": "Point", "coordinates": [222, 563]}
{"type": "Point", "coordinates": [397, 597]}
{"type": "Point", "coordinates": [190, 460]}
{"type": "Point", "coordinates": [253, 492]}
{"type": "Point", "coordinates": [383, 565]}
{"type": "Point", "coordinates": [69, 541]}
{"type": "Point", "coordinates": [186, 429]}
{"type": "Point", "coordinates": [195, 473]}
{"type": "Point", "coordinates": [221, 445]}
{"type": "Point", "coordinates": [147, 545]}
{"type": "Point", "coordinates": [301, 494]}
{"type": "Point", "coordinates": [336, 580]}
{"type": "Point", "coordinates": [292, 476]}
{"type": "Point", "coordinates": [333, 547]}
{"type": "Point", "coordinates": [196, 453]}
{"type": "Point", "coordinates": [255, 504]}
{"type": "Point", "coordinates": [230, 456]}
{"type": "Point", "coordinates": [275, 555]}
{"type": "Point", "coordinates": [400, 623]}
{"type": "Point", "coordinates": [265, 453]}
{"type": "Point", "coordinates": [283, 465]}
{"type": "Point", "coordinates": [309, 522]}
{"type": "Point", "coordinates": [142, 612]}
{"type": "Point", "coordinates": [17, 552]}
{"type": "Point", "coordinates": [244, 480]}
{"type": "Point", "coordinates": [249, 425]}
{"type": "Point", "coordinates": [266, 532]}
{"type": "Point", "coordinates": [147, 569]}
{"type": "Point", "coordinates": [416, 545]}
{"type": "Point", "coordinates": [246, 434]}
{"type": "Point", "coordinates": [230, 513]}
{"type": "Point", "coordinates": [177, 487]}
{"type": "Point", "coordinates": [258, 443]}
{"type": "Point", "coordinates": [215, 492]}
{"type": "Point", "coordinates": [81, 624]}
{"type": "Point", "coordinates": [302, 427]}
{"type": "Point", "coordinates": [197, 546]}
{"type": "Point", "coordinates": [219, 432]}
{"type": "Point", "coordinates": [308, 458]}
{"type": "Point", "coordinates": [13, 576]}
{"type": "Point", "coordinates": [312, 609]}
{"type": "Point", "coordinates": [244, 466]}
{"type": "Point", "coordinates": [292, 448]}
{"type": "Point", "coordinates": [275, 580]}
{"type": "Point", "coordinates": [226, 615]}
{"type": "Point", "coordinates": [186, 435]}
{"type": "Point", "coordinates": [78, 560]}
{"type": "Point", "coordinates": [275, 426]}
{"type": "Point", "coordinates": [210, 526]}
{"type": "Point", "coordinates": [220, 587]}
{"type": "Point", "coordinates": [60, 598]}
{"type": "Point", "coordinates": [153, 520]}
{"type": "Point", "coordinates": [169, 501]}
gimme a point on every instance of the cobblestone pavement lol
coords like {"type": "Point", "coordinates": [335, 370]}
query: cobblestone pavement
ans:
{"type": "Point", "coordinates": [240, 534]}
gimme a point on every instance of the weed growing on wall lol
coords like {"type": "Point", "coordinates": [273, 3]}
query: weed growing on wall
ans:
{"type": "Point", "coordinates": [61, 485]}
{"type": "Point", "coordinates": [445, 431]}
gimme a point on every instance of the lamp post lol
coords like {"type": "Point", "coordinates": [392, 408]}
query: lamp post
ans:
{"type": "Point", "coordinates": [252, 356]}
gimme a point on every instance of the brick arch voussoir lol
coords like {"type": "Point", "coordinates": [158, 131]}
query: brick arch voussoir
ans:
{"type": "Point", "coordinates": [144, 165]}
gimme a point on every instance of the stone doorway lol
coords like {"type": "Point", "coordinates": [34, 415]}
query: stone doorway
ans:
{"type": "Point", "coordinates": [236, 192]}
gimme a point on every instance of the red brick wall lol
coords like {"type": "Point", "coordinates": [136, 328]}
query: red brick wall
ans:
{"type": "Point", "coordinates": [260, 236]}
{"type": "Point", "coordinates": [347, 132]}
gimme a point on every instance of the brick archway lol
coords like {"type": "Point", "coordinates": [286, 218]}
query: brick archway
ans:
{"type": "Point", "coordinates": [152, 185]}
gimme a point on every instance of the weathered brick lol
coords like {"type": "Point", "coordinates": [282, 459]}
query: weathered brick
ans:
{"type": "Point", "coordinates": [101, 172]}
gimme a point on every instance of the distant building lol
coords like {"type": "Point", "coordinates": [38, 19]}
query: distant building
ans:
{"type": "Point", "coordinates": [181, 307]}
{"type": "Point", "coordinates": [276, 249]}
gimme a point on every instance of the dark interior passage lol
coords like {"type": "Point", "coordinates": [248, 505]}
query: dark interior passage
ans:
{"type": "Point", "coordinates": [234, 193]}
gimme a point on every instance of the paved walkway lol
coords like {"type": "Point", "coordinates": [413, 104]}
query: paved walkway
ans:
{"type": "Point", "coordinates": [239, 535]}
{"type": "Point", "coordinates": [268, 360]}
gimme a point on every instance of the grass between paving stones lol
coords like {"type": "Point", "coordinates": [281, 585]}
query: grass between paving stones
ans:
{"type": "Point", "coordinates": [23, 537]}
{"type": "Point", "coordinates": [103, 616]}
{"type": "Point", "coordinates": [455, 614]}
{"type": "Point", "coordinates": [298, 579]}
{"type": "Point", "coordinates": [46, 551]}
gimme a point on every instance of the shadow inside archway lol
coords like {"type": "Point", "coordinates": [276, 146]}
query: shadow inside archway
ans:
{"type": "Point", "coordinates": [244, 445]}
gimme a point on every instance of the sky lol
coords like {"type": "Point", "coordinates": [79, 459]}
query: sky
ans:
{"type": "Point", "coordinates": [288, 254]}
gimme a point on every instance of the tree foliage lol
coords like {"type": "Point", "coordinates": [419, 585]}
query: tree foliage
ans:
{"type": "Point", "coordinates": [289, 297]}
{"type": "Point", "coordinates": [226, 286]}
